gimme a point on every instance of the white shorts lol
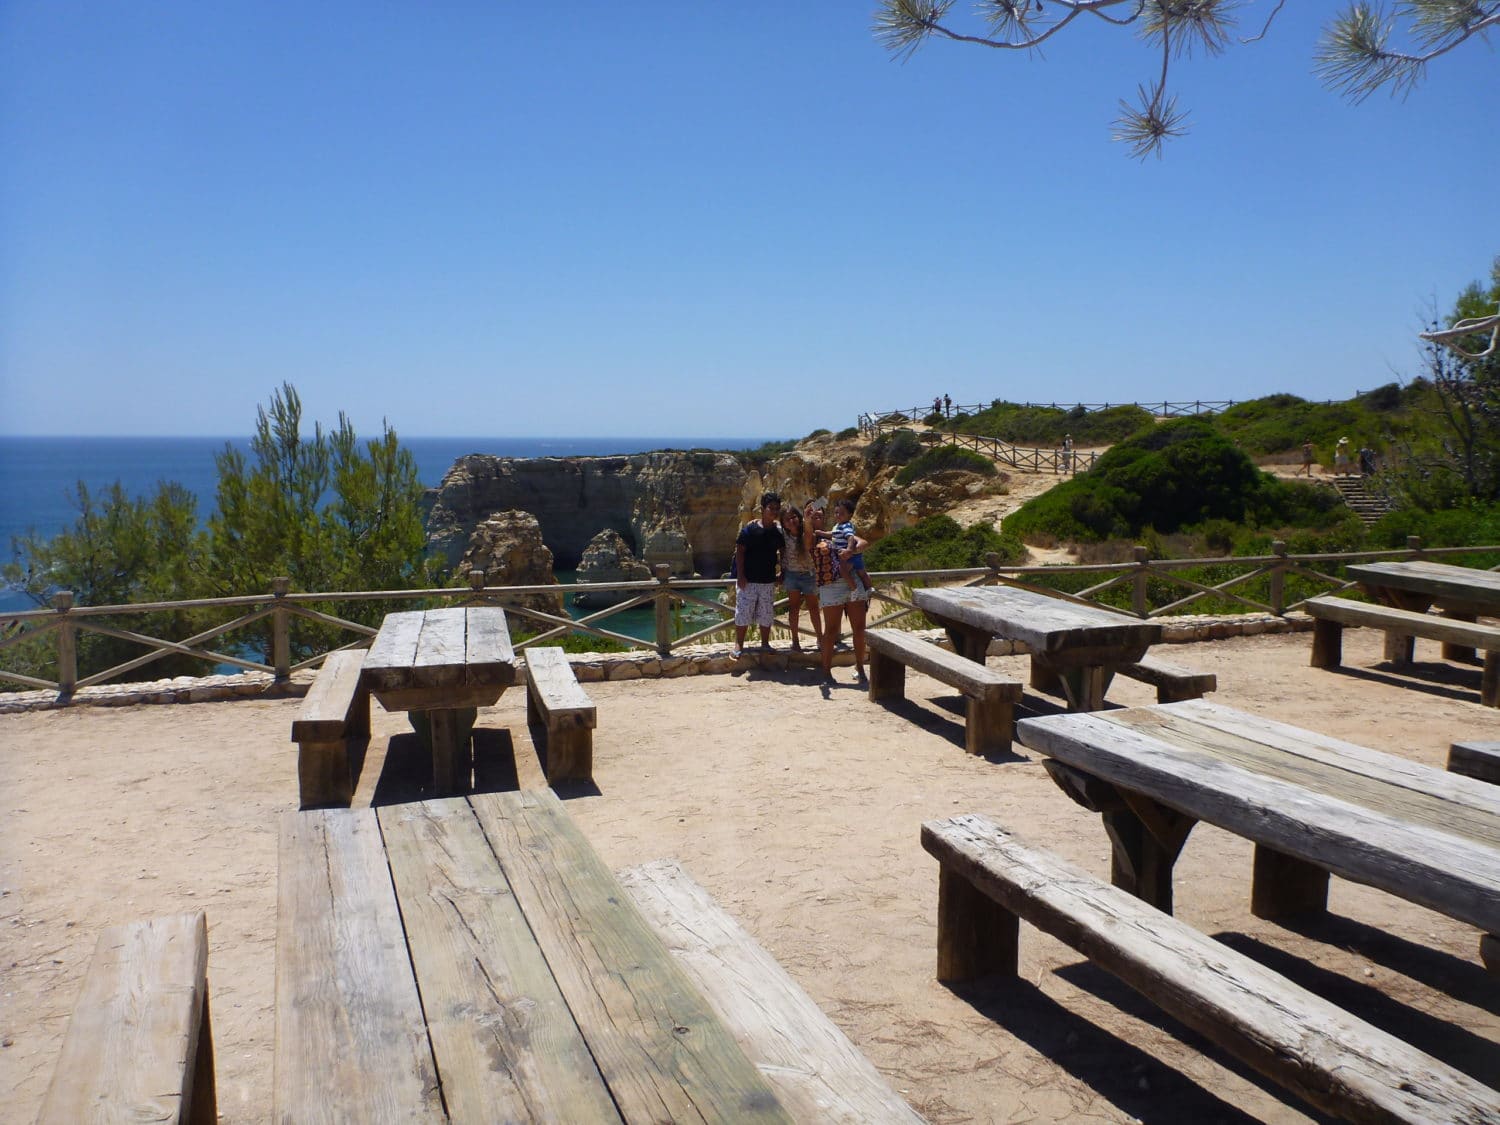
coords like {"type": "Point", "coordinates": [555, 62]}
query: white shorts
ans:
{"type": "Point", "coordinates": [838, 593]}
{"type": "Point", "coordinates": [754, 603]}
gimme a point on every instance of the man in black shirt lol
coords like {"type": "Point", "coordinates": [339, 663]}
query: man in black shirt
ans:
{"type": "Point", "coordinates": [757, 552]}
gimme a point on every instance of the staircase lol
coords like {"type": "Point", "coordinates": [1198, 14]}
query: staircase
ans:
{"type": "Point", "coordinates": [1368, 506]}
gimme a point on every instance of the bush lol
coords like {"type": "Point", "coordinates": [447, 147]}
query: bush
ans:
{"type": "Point", "coordinates": [945, 458]}
{"type": "Point", "coordinates": [848, 432]}
{"type": "Point", "coordinates": [817, 434]}
{"type": "Point", "coordinates": [934, 419]}
{"type": "Point", "coordinates": [1047, 425]}
{"type": "Point", "coordinates": [894, 447]}
{"type": "Point", "coordinates": [939, 543]}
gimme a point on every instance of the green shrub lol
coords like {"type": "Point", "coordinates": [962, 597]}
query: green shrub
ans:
{"type": "Point", "coordinates": [939, 543]}
{"type": "Point", "coordinates": [894, 447]}
{"type": "Point", "coordinates": [945, 458]}
{"type": "Point", "coordinates": [1047, 425]}
{"type": "Point", "coordinates": [848, 432]}
{"type": "Point", "coordinates": [817, 433]}
{"type": "Point", "coordinates": [934, 419]}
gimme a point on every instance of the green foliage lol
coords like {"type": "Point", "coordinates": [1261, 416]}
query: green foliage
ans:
{"type": "Point", "coordinates": [819, 433]}
{"type": "Point", "coordinates": [939, 543]}
{"type": "Point", "coordinates": [1048, 425]}
{"type": "Point", "coordinates": [1175, 475]}
{"type": "Point", "coordinates": [118, 550]}
{"type": "Point", "coordinates": [766, 451]}
{"type": "Point", "coordinates": [894, 447]}
{"type": "Point", "coordinates": [934, 419]}
{"type": "Point", "coordinates": [1281, 423]}
{"type": "Point", "coordinates": [848, 432]}
{"type": "Point", "coordinates": [945, 458]}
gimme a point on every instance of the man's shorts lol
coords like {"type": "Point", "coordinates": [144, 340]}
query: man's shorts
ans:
{"type": "Point", "coordinates": [754, 604]}
{"type": "Point", "coordinates": [799, 582]}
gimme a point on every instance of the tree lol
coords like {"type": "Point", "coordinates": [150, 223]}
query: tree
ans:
{"type": "Point", "coordinates": [1356, 55]}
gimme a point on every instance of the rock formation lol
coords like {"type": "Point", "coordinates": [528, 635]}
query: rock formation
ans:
{"type": "Point", "coordinates": [608, 558]}
{"type": "Point", "coordinates": [508, 547]}
{"type": "Point", "coordinates": [679, 508]}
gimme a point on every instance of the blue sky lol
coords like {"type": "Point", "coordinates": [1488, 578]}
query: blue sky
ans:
{"type": "Point", "coordinates": [692, 219]}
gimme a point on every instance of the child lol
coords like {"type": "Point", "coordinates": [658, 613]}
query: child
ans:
{"type": "Point", "coordinates": [853, 568]}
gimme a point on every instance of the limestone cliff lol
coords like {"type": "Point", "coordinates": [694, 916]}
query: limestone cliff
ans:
{"type": "Point", "coordinates": [508, 547]}
{"type": "Point", "coordinates": [607, 558]}
{"type": "Point", "coordinates": [682, 509]}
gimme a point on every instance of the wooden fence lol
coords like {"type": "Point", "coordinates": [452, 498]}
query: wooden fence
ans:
{"type": "Point", "coordinates": [1142, 587]}
{"type": "Point", "coordinates": [1060, 461]}
{"type": "Point", "coordinates": [1162, 409]}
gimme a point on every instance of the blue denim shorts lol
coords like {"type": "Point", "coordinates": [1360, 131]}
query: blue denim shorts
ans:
{"type": "Point", "coordinates": [799, 581]}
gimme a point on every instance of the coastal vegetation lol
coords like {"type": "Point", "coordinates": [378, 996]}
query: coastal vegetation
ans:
{"type": "Point", "coordinates": [939, 543]}
{"type": "Point", "coordinates": [944, 459]}
{"type": "Point", "coordinates": [1029, 424]}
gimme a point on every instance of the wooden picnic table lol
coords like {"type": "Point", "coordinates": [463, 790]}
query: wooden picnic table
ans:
{"type": "Point", "coordinates": [1461, 592]}
{"type": "Point", "coordinates": [439, 665]}
{"type": "Point", "coordinates": [1311, 804]}
{"type": "Point", "coordinates": [472, 959]}
{"type": "Point", "coordinates": [1075, 647]}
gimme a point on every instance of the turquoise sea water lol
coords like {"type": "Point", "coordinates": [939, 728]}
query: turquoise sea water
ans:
{"type": "Point", "coordinates": [38, 475]}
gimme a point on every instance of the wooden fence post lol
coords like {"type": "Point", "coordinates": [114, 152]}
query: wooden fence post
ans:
{"type": "Point", "coordinates": [281, 639]}
{"type": "Point", "coordinates": [992, 560]}
{"type": "Point", "coordinates": [1414, 544]}
{"type": "Point", "coordinates": [663, 609]}
{"type": "Point", "coordinates": [1278, 578]}
{"type": "Point", "coordinates": [1138, 582]}
{"type": "Point", "coordinates": [67, 645]}
{"type": "Point", "coordinates": [476, 586]}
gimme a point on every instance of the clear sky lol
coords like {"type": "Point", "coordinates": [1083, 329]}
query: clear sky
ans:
{"type": "Point", "coordinates": [495, 218]}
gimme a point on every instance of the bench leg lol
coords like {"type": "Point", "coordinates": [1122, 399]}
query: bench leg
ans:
{"type": "Point", "coordinates": [1045, 679]}
{"type": "Point", "coordinates": [1399, 649]}
{"type": "Point", "coordinates": [1328, 644]}
{"type": "Point", "coordinates": [976, 935]}
{"type": "Point", "coordinates": [1489, 952]}
{"type": "Point", "coordinates": [990, 727]}
{"type": "Point", "coordinates": [534, 716]}
{"type": "Point", "coordinates": [1284, 886]}
{"type": "Point", "coordinates": [324, 776]}
{"type": "Point", "coordinates": [357, 724]}
{"type": "Point", "coordinates": [570, 754]}
{"type": "Point", "coordinates": [887, 677]}
{"type": "Point", "coordinates": [203, 1108]}
{"type": "Point", "coordinates": [1463, 654]}
{"type": "Point", "coordinates": [1489, 681]}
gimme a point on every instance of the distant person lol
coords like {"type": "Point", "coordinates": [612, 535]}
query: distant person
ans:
{"type": "Point", "coordinates": [1067, 453]}
{"type": "Point", "coordinates": [1307, 459]}
{"type": "Point", "coordinates": [1342, 465]}
{"type": "Point", "coordinates": [1366, 461]}
{"type": "Point", "coordinates": [937, 404]}
{"type": "Point", "coordinates": [757, 551]}
{"type": "Point", "coordinates": [947, 407]}
{"type": "Point", "coordinates": [797, 577]}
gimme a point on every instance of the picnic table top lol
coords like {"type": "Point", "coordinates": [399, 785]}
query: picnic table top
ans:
{"type": "Point", "coordinates": [1046, 624]}
{"type": "Point", "coordinates": [1428, 836]}
{"type": "Point", "coordinates": [1435, 579]}
{"type": "Point", "coordinates": [437, 649]}
{"type": "Point", "coordinates": [474, 954]}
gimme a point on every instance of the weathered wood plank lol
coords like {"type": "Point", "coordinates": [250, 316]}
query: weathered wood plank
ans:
{"type": "Point", "coordinates": [1479, 760]}
{"type": "Point", "coordinates": [388, 663]}
{"type": "Point", "coordinates": [1452, 874]}
{"type": "Point", "coordinates": [1459, 586]}
{"type": "Point", "coordinates": [971, 678]}
{"type": "Point", "coordinates": [1449, 630]}
{"type": "Point", "coordinates": [505, 1043]}
{"type": "Point", "coordinates": [555, 698]}
{"type": "Point", "coordinates": [138, 1046]}
{"type": "Point", "coordinates": [1334, 1060]}
{"type": "Point", "coordinates": [816, 1071]}
{"type": "Point", "coordinates": [1173, 682]}
{"type": "Point", "coordinates": [333, 700]}
{"type": "Point", "coordinates": [658, 1043]}
{"type": "Point", "coordinates": [351, 1042]}
{"type": "Point", "coordinates": [1045, 624]}
{"type": "Point", "coordinates": [442, 648]}
{"type": "Point", "coordinates": [490, 657]}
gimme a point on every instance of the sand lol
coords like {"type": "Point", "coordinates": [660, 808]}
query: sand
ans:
{"type": "Point", "coordinates": [797, 806]}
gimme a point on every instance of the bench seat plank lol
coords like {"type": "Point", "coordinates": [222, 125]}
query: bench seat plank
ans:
{"type": "Point", "coordinates": [990, 721]}
{"type": "Point", "coordinates": [1479, 760]}
{"type": "Point", "coordinates": [351, 1043]}
{"type": "Point", "coordinates": [505, 1043]}
{"type": "Point", "coordinates": [335, 711]}
{"type": "Point", "coordinates": [556, 699]}
{"type": "Point", "coordinates": [1173, 682]}
{"type": "Point", "coordinates": [661, 1048]}
{"type": "Point", "coordinates": [1329, 1057]}
{"type": "Point", "coordinates": [817, 1072]}
{"type": "Point", "coordinates": [1450, 630]}
{"type": "Point", "coordinates": [138, 1046]}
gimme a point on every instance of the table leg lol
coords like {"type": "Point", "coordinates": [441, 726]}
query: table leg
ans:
{"type": "Point", "coordinates": [448, 734]}
{"type": "Point", "coordinates": [1084, 686]}
{"type": "Point", "coordinates": [971, 644]}
{"type": "Point", "coordinates": [1045, 678]}
{"type": "Point", "coordinates": [1141, 862]}
{"type": "Point", "coordinates": [1284, 885]}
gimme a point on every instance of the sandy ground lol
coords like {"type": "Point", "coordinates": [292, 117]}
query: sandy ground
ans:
{"type": "Point", "coordinates": [798, 807]}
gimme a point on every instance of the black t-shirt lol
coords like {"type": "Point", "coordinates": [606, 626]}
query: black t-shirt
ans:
{"type": "Point", "coordinates": [762, 550]}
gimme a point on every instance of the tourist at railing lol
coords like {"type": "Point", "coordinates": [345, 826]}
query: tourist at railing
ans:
{"type": "Point", "coordinates": [757, 554]}
{"type": "Point", "coordinates": [797, 578]}
{"type": "Point", "coordinates": [834, 594]}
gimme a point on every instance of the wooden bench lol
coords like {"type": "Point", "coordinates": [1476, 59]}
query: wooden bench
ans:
{"type": "Point", "coordinates": [992, 697]}
{"type": "Point", "coordinates": [1331, 615]}
{"type": "Point", "coordinates": [335, 711]}
{"type": "Point", "coordinates": [555, 699]}
{"type": "Point", "coordinates": [1475, 759]}
{"type": "Point", "coordinates": [1173, 682]}
{"type": "Point", "coordinates": [138, 1046]}
{"type": "Point", "coordinates": [989, 881]}
{"type": "Point", "coordinates": [817, 1073]}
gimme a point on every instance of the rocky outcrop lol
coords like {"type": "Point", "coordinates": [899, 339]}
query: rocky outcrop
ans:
{"type": "Point", "coordinates": [678, 508]}
{"type": "Point", "coordinates": [608, 558]}
{"type": "Point", "coordinates": [508, 547]}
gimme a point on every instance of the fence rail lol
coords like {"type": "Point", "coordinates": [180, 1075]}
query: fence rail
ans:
{"type": "Point", "coordinates": [1142, 587]}
{"type": "Point", "coordinates": [1060, 461]}
{"type": "Point", "coordinates": [1162, 409]}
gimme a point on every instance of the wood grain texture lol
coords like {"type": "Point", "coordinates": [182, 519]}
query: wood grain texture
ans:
{"type": "Point", "coordinates": [816, 1071]}
{"type": "Point", "coordinates": [132, 1049]}
{"type": "Point", "coordinates": [1162, 753]}
{"type": "Point", "coordinates": [1045, 624]}
{"type": "Point", "coordinates": [490, 658]}
{"type": "Point", "coordinates": [1479, 760]}
{"type": "Point", "coordinates": [1461, 587]}
{"type": "Point", "coordinates": [1405, 622]}
{"type": "Point", "coordinates": [333, 700]}
{"type": "Point", "coordinates": [969, 677]}
{"type": "Point", "coordinates": [388, 663]}
{"type": "Point", "coordinates": [506, 1046]}
{"type": "Point", "coordinates": [442, 649]}
{"type": "Point", "coordinates": [656, 1040]}
{"type": "Point", "coordinates": [1334, 1060]}
{"type": "Point", "coordinates": [1173, 682]}
{"type": "Point", "coordinates": [557, 692]}
{"type": "Point", "coordinates": [351, 1042]}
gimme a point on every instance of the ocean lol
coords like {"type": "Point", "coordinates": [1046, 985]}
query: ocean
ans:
{"type": "Point", "coordinates": [38, 474]}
